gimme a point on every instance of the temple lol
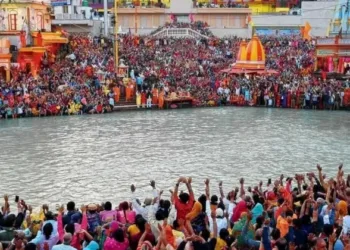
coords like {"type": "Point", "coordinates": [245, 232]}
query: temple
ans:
{"type": "Point", "coordinates": [333, 52]}
{"type": "Point", "coordinates": [25, 33]}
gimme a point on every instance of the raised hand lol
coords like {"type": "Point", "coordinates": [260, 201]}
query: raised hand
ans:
{"type": "Point", "coordinates": [340, 166]}
{"type": "Point", "coordinates": [319, 167]}
{"type": "Point", "coordinates": [189, 180]}
{"type": "Point", "coordinates": [132, 188]}
{"type": "Point", "coordinates": [206, 182]}
{"type": "Point", "coordinates": [241, 181]}
{"type": "Point", "coordinates": [83, 208]}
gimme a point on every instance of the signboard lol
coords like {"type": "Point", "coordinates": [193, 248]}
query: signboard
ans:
{"type": "Point", "coordinates": [59, 2]}
{"type": "Point", "coordinates": [276, 32]}
{"type": "Point", "coordinates": [324, 52]}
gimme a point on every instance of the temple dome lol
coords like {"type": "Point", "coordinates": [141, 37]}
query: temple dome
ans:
{"type": "Point", "coordinates": [251, 55]}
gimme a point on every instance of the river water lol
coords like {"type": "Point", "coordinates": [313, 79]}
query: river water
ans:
{"type": "Point", "coordinates": [97, 157]}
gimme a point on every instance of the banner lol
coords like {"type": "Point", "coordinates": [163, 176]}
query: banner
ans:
{"type": "Point", "coordinates": [59, 2]}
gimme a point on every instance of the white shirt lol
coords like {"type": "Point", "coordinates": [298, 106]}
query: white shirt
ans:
{"type": "Point", "coordinates": [346, 224]}
{"type": "Point", "coordinates": [220, 90]}
{"type": "Point", "coordinates": [63, 247]}
{"type": "Point", "coordinates": [144, 211]}
{"type": "Point", "coordinates": [220, 222]}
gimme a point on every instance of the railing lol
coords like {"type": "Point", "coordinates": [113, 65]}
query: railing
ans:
{"type": "Point", "coordinates": [69, 16]}
{"type": "Point", "coordinates": [332, 41]}
{"type": "Point", "coordinates": [179, 32]}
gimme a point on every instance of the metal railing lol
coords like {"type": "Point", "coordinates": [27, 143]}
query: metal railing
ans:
{"type": "Point", "coordinates": [65, 16]}
{"type": "Point", "coordinates": [179, 32]}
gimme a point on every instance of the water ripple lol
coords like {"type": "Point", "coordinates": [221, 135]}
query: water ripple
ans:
{"type": "Point", "coordinates": [95, 158]}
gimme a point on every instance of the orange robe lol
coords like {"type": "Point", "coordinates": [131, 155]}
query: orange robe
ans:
{"type": "Point", "coordinates": [155, 96]}
{"type": "Point", "coordinates": [127, 93]}
{"type": "Point", "coordinates": [116, 91]}
{"type": "Point", "coordinates": [161, 100]}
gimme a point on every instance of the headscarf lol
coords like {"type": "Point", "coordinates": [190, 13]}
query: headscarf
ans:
{"type": "Point", "coordinates": [342, 208]}
{"type": "Point", "coordinates": [256, 212]}
{"type": "Point", "coordinates": [238, 228]}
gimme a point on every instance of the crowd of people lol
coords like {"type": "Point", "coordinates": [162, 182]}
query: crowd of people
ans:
{"type": "Point", "coordinates": [298, 212]}
{"type": "Point", "coordinates": [82, 79]}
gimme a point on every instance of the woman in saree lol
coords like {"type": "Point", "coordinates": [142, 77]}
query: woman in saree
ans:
{"type": "Point", "coordinates": [258, 208]}
{"type": "Point", "coordinates": [243, 235]}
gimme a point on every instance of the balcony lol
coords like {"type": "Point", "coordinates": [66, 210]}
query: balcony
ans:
{"type": "Point", "coordinates": [68, 19]}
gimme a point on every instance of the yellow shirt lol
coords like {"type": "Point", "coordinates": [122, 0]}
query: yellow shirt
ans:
{"type": "Point", "coordinates": [36, 220]}
{"type": "Point", "coordinates": [178, 234]}
{"type": "Point", "coordinates": [133, 230]}
{"type": "Point", "coordinates": [220, 244]}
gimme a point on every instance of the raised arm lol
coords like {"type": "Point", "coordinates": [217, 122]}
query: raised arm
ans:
{"type": "Point", "coordinates": [137, 207]}
{"type": "Point", "coordinates": [221, 191]}
{"type": "Point", "coordinates": [215, 225]}
{"type": "Point", "coordinates": [242, 192]}
{"type": "Point", "coordinates": [189, 188]}
{"type": "Point", "coordinates": [320, 176]}
{"type": "Point", "coordinates": [207, 190]}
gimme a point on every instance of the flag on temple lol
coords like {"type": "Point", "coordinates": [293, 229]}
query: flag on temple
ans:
{"type": "Point", "coordinates": [328, 30]}
{"type": "Point", "coordinates": [307, 29]}
{"type": "Point", "coordinates": [191, 18]}
{"type": "Point", "coordinates": [249, 19]}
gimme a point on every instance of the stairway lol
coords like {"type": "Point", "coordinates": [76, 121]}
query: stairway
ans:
{"type": "Point", "coordinates": [180, 32]}
{"type": "Point", "coordinates": [125, 105]}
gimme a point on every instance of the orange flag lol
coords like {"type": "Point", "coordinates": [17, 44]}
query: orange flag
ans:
{"type": "Point", "coordinates": [307, 29]}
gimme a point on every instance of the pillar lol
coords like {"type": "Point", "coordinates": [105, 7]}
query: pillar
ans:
{"type": "Point", "coordinates": [8, 75]}
{"type": "Point", "coordinates": [105, 17]}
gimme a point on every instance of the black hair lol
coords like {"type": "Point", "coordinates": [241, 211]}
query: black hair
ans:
{"type": "Point", "coordinates": [202, 200]}
{"type": "Point", "coordinates": [275, 234]}
{"type": "Point", "coordinates": [70, 228]}
{"type": "Point", "coordinates": [289, 213]}
{"type": "Point", "coordinates": [108, 206]}
{"type": "Point", "coordinates": [280, 201]}
{"type": "Point", "coordinates": [221, 205]}
{"type": "Point", "coordinates": [9, 220]}
{"type": "Point", "coordinates": [49, 216]}
{"type": "Point", "coordinates": [256, 198]}
{"type": "Point", "coordinates": [282, 244]}
{"type": "Point", "coordinates": [214, 199]}
{"type": "Point", "coordinates": [176, 224]}
{"type": "Point", "coordinates": [140, 222]}
{"type": "Point", "coordinates": [224, 233]}
{"type": "Point", "coordinates": [47, 230]}
{"type": "Point", "coordinates": [328, 229]}
{"type": "Point", "coordinates": [205, 234]}
{"type": "Point", "coordinates": [71, 206]}
{"type": "Point", "coordinates": [259, 222]}
{"type": "Point", "coordinates": [184, 197]}
{"type": "Point", "coordinates": [118, 235]}
{"type": "Point", "coordinates": [297, 223]}
{"type": "Point", "coordinates": [338, 231]}
{"type": "Point", "coordinates": [306, 219]}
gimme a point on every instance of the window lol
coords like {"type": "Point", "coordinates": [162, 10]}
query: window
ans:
{"type": "Point", "coordinates": [13, 21]}
{"type": "Point", "coordinates": [39, 21]}
{"type": "Point", "coordinates": [65, 9]}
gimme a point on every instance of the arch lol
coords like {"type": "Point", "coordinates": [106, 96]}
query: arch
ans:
{"type": "Point", "coordinates": [39, 20]}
